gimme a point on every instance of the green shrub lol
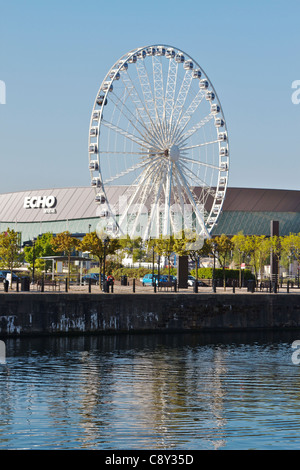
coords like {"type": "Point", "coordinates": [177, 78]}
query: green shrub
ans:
{"type": "Point", "coordinates": [207, 273]}
{"type": "Point", "coordinates": [137, 273]}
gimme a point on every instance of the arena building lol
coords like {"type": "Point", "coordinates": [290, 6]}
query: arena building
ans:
{"type": "Point", "coordinates": [55, 210]}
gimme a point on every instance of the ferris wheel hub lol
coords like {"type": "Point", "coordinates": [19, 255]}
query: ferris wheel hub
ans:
{"type": "Point", "coordinates": [174, 153]}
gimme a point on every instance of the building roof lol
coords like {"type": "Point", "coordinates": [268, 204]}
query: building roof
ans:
{"type": "Point", "coordinates": [261, 200]}
{"type": "Point", "coordinates": [78, 203]}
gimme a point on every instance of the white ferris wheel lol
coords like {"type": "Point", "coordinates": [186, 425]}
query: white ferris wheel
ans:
{"type": "Point", "coordinates": [158, 146]}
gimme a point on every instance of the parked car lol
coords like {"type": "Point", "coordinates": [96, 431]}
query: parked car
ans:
{"type": "Point", "coordinates": [4, 273]}
{"type": "Point", "coordinates": [191, 280]}
{"type": "Point", "coordinates": [148, 279]}
{"type": "Point", "coordinates": [94, 277]}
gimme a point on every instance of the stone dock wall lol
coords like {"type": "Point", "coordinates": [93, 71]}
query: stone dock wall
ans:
{"type": "Point", "coordinates": [66, 313]}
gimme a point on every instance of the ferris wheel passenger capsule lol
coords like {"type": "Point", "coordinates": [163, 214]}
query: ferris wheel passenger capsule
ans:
{"type": "Point", "coordinates": [222, 180]}
{"type": "Point", "coordinates": [123, 65]}
{"type": "Point", "coordinates": [215, 108]}
{"type": "Point", "coordinates": [170, 53]}
{"type": "Point", "coordinates": [93, 148]}
{"type": "Point", "coordinates": [196, 73]}
{"type": "Point", "coordinates": [132, 59]}
{"type": "Point", "coordinates": [104, 213]}
{"type": "Point", "coordinates": [114, 75]}
{"type": "Point", "coordinates": [223, 166]}
{"type": "Point", "coordinates": [222, 136]}
{"type": "Point", "coordinates": [96, 115]}
{"type": "Point", "coordinates": [224, 152]}
{"type": "Point", "coordinates": [203, 84]}
{"type": "Point", "coordinates": [100, 198]}
{"type": "Point", "coordinates": [216, 209]}
{"type": "Point", "coordinates": [93, 131]}
{"type": "Point", "coordinates": [210, 96]}
{"type": "Point", "coordinates": [151, 51]}
{"type": "Point", "coordinates": [94, 165]}
{"type": "Point", "coordinates": [219, 122]}
{"type": "Point", "coordinates": [161, 50]}
{"type": "Point", "coordinates": [141, 54]}
{"type": "Point", "coordinates": [107, 86]}
{"type": "Point", "coordinates": [179, 58]}
{"type": "Point", "coordinates": [188, 65]}
{"type": "Point", "coordinates": [96, 182]}
{"type": "Point", "coordinates": [100, 100]}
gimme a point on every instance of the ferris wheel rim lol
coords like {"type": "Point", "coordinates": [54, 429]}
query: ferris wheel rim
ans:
{"type": "Point", "coordinates": [108, 81]}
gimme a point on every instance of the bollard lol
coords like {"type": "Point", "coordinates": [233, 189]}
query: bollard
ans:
{"type": "Point", "coordinates": [288, 286]}
{"type": "Point", "coordinates": [133, 285]}
{"type": "Point", "coordinates": [90, 285]}
{"type": "Point", "coordinates": [154, 285]}
{"type": "Point", "coordinates": [195, 287]}
{"type": "Point", "coordinates": [214, 285]}
{"type": "Point", "coordinates": [42, 286]}
{"type": "Point", "coordinates": [17, 287]}
{"type": "Point", "coordinates": [175, 286]}
{"type": "Point", "coordinates": [112, 286]}
{"type": "Point", "coordinates": [66, 284]}
{"type": "Point", "coordinates": [6, 285]}
{"type": "Point", "coordinates": [233, 287]}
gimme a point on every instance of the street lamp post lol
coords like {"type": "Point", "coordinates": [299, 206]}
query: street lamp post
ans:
{"type": "Point", "coordinates": [105, 242]}
{"type": "Point", "coordinates": [33, 260]}
{"type": "Point", "coordinates": [213, 279]}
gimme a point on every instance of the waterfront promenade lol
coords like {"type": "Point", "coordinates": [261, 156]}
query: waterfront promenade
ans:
{"type": "Point", "coordinates": [138, 288]}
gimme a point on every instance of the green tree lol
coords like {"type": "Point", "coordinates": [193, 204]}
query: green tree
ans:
{"type": "Point", "coordinates": [291, 247]}
{"type": "Point", "coordinates": [133, 246]}
{"type": "Point", "coordinates": [239, 248]}
{"type": "Point", "coordinates": [221, 247]}
{"type": "Point", "coordinates": [94, 244]}
{"type": "Point", "coordinates": [42, 247]}
{"type": "Point", "coordinates": [164, 246]}
{"type": "Point", "coordinates": [10, 255]}
{"type": "Point", "coordinates": [257, 248]}
{"type": "Point", "coordinates": [64, 243]}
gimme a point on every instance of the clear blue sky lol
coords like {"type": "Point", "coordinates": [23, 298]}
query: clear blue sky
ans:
{"type": "Point", "coordinates": [54, 55]}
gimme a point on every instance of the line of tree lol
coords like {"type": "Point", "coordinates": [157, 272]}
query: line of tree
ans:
{"type": "Point", "coordinates": [252, 250]}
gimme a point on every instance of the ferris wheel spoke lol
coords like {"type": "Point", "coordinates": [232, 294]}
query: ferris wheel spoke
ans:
{"type": "Point", "coordinates": [198, 162]}
{"type": "Point", "coordinates": [193, 202]}
{"type": "Point", "coordinates": [189, 113]}
{"type": "Point", "coordinates": [170, 90]}
{"type": "Point", "coordinates": [181, 99]}
{"type": "Point", "coordinates": [125, 172]}
{"type": "Point", "coordinates": [146, 189]}
{"type": "Point", "coordinates": [146, 89]}
{"type": "Point", "coordinates": [116, 152]}
{"type": "Point", "coordinates": [154, 208]}
{"type": "Point", "coordinates": [132, 117]}
{"type": "Point", "coordinates": [128, 135]}
{"type": "Point", "coordinates": [158, 86]}
{"type": "Point", "coordinates": [134, 195]}
{"type": "Point", "coordinates": [167, 190]}
{"type": "Point", "coordinates": [203, 144]}
{"type": "Point", "coordinates": [144, 113]}
{"type": "Point", "coordinates": [140, 108]}
{"type": "Point", "coordinates": [196, 178]}
{"type": "Point", "coordinates": [186, 135]}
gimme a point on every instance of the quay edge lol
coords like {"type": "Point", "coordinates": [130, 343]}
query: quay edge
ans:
{"type": "Point", "coordinates": [37, 314]}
